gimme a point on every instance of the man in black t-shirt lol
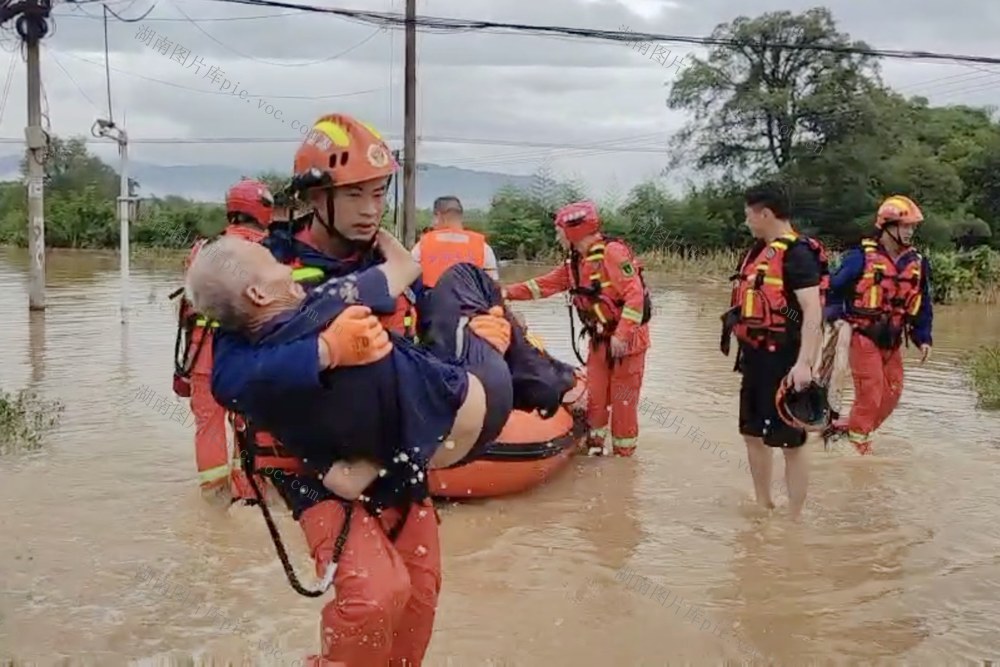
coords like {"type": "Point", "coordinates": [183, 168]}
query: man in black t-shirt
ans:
{"type": "Point", "coordinates": [778, 310]}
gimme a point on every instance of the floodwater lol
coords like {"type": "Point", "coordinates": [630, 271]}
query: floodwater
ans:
{"type": "Point", "coordinates": [108, 553]}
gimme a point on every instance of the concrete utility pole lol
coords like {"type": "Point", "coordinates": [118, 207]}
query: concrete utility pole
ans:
{"type": "Point", "coordinates": [37, 142]}
{"type": "Point", "coordinates": [108, 129]}
{"type": "Point", "coordinates": [32, 25]}
{"type": "Point", "coordinates": [410, 129]}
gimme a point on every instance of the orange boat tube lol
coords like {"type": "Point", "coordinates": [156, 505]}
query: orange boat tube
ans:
{"type": "Point", "coordinates": [528, 451]}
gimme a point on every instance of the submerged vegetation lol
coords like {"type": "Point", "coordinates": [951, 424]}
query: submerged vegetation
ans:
{"type": "Point", "coordinates": [25, 419]}
{"type": "Point", "coordinates": [984, 369]}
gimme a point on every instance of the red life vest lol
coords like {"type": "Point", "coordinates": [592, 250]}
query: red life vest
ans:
{"type": "Point", "coordinates": [597, 300]}
{"type": "Point", "coordinates": [760, 297]}
{"type": "Point", "coordinates": [885, 292]}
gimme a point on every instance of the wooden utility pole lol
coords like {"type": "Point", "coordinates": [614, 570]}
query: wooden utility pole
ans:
{"type": "Point", "coordinates": [410, 129]}
{"type": "Point", "coordinates": [31, 24]}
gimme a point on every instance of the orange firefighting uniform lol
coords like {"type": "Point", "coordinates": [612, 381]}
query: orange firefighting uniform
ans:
{"type": "Point", "coordinates": [892, 292]}
{"type": "Point", "coordinates": [616, 311]}
{"type": "Point", "coordinates": [440, 249]}
{"type": "Point", "coordinates": [386, 591]}
{"type": "Point", "coordinates": [210, 441]}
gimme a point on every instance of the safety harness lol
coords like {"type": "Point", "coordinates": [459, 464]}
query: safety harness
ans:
{"type": "Point", "coordinates": [590, 299]}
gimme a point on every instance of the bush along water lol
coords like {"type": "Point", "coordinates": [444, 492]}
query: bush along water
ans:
{"type": "Point", "coordinates": [984, 370]}
{"type": "Point", "coordinates": [25, 420]}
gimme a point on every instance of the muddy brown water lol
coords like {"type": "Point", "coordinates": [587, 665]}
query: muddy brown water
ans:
{"type": "Point", "coordinates": [110, 556]}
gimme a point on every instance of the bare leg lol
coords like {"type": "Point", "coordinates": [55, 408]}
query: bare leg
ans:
{"type": "Point", "coordinates": [761, 462]}
{"type": "Point", "coordinates": [796, 479]}
{"type": "Point", "coordinates": [349, 480]}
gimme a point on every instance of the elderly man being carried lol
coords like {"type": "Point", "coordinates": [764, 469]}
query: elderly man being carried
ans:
{"type": "Point", "coordinates": [377, 402]}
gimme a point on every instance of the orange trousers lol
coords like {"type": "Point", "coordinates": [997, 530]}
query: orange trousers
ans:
{"type": "Point", "coordinates": [614, 388]}
{"type": "Point", "coordinates": [878, 384]}
{"type": "Point", "coordinates": [386, 593]}
{"type": "Point", "coordinates": [211, 451]}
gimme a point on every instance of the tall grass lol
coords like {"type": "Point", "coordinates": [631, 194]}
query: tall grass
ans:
{"type": "Point", "coordinates": [984, 369]}
{"type": "Point", "coordinates": [25, 419]}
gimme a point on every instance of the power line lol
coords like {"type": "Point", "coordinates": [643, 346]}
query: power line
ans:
{"type": "Point", "coordinates": [80, 14]}
{"type": "Point", "coordinates": [69, 54]}
{"type": "Point", "coordinates": [606, 146]}
{"type": "Point", "coordinates": [271, 62]}
{"type": "Point", "coordinates": [431, 23]}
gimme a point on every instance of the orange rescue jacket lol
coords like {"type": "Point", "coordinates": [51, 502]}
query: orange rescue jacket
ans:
{"type": "Point", "coordinates": [607, 290]}
{"type": "Point", "coordinates": [440, 249]}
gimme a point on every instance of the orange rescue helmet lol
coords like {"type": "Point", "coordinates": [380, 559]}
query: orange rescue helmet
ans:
{"type": "Point", "coordinates": [253, 199]}
{"type": "Point", "coordinates": [898, 209]}
{"type": "Point", "coordinates": [578, 220]}
{"type": "Point", "coordinates": [341, 150]}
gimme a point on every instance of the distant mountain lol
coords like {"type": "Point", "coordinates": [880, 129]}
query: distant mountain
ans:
{"type": "Point", "coordinates": [208, 182]}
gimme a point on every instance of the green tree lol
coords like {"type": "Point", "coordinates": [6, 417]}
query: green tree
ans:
{"type": "Point", "coordinates": [761, 105]}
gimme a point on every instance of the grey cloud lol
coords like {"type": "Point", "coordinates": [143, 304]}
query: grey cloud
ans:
{"type": "Point", "coordinates": [509, 88]}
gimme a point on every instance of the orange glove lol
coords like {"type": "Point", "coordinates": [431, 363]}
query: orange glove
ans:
{"type": "Point", "coordinates": [356, 338]}
{"type": "Point", "coordinates": [493, 328]}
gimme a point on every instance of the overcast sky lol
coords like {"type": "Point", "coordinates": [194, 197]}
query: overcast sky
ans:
{"type": "Point", "coordinates": [487, 89]}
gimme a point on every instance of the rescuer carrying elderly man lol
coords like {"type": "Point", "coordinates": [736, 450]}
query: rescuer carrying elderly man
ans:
{"type": "Point", "coordinates": [605, 281]}
{"type": "Point", "coordinates": [249, 209]}
{"type": "Point", "coordinates": [882, 290]}
{"type": "Point", "coordinates": [386, 543]}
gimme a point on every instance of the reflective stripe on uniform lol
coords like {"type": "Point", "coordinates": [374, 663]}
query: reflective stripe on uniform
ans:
{"type": "Point", "coordinates": [632, 314]}
{"type": "Point", "coordinates": [213, 474]}
{"type": "Point", "coordinates": [855, 436]}
{"type": "Point", "coordinates": [624, 443]}
{"type": "Point", "coordinates": [534, 341]}
{"type": "Point", "coordinates": [204, 322]}
{"type": "Point", "coordinates": [598, 432]}
{"type": "Point", "coordinates": [536, 291]}
{"type": "Point", "coordinates": [307, 273]}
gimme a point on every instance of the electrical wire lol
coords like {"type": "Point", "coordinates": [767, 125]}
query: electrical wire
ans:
{"type": "Point", "coordinates": [445, 25]}
{"type": "Point", "coordinates": [51, 55]}
{"type": "Point", "coordinates": [7, 82]}
{"type": "Point", "coordinates": [331, 96]}
{"type": "Point", "coordinates": [271, 62]}
{"type": "Point", "coordinates": [107, 65]}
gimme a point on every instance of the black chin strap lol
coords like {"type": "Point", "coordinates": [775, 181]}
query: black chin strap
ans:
{"type": "Point", "coordinates": [331, 229]}
{"type": "Point", "coordinates": [894, 237]}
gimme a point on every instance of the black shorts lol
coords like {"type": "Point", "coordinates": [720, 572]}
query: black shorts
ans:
{"type": "Point", "coordinates": [763, 372]}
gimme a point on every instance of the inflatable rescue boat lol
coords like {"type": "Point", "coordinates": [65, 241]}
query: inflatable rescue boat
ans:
{"type": "Point", "coordinates": [528, 451]}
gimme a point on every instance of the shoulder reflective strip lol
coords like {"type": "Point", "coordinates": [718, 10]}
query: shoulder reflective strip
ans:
{"type": "Point", "coordinates": [770, 280]}
{"type": "Point", "coordinates": [213, 474]}
{"type": "Point", "coordinates": [595, 257]}
{"type": "Point", "coordinates": [453, 237]}
{"type": "Point", "coordinates": [536, 291]}
{"type": "Point", "coordinates": [307, 273]}
{"type": "Point", "coordinates": [632, 314]}
{"type": "Point", "coordinates": [748, 303]}
{"type": "Point", "coordinates": [595, 276]}
{"type": "Point", "coordinates": [600, 314]}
